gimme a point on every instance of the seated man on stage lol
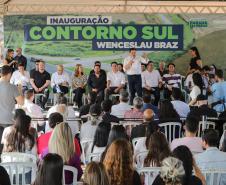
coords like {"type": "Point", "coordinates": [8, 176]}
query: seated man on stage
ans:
{"type": "Point", "coordinates": [151, 81]}
{"type": "Point", "coordinates": [40, 81]}
{"type": "Point", "coordinates": [97, 82]}
{"type": "Point", "coordinates": [60, 81]}
{"type": "Point", "coordinates": [170, 80]}
{"type": "Point", "coordinates": [115, 81]}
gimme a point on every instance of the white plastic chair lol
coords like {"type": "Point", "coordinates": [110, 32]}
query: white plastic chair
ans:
{"type": "Point", "coordinates": [170, 130]}
{"type": "Point", "coordinates": [94, 157]}
{"type": "Point", "coordinates": [150, 173]}
{"type": "Point", "coordinates": [214, 176]}
{"type": "Point", "coordinates": [135, 140]}
{"type": "Point", "coordinates": [140, 158]}
{"type": "Point", "coordinates": [85, 145]}
{"type": "Point", "coordinates": [129, 125]}
{"type": "Point", "coordinates": [73, 170]}
{"type": "Point", "coordinates": [205, 125]}
{"type": "Point", "coordinates": [18, 170]}
{"type": "Point", "coordinates": [18, 157]}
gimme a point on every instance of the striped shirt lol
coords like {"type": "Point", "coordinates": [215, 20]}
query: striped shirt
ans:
{"type": "Point", "coordinates": [174, 80]}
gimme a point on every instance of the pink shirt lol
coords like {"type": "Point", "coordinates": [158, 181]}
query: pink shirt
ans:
{"type": "Point", "coordinates": [42, 141]}
{"type": "Point", "coordinates": [136, 114]}
{"type": "Point", "coordinates": [193, 143]}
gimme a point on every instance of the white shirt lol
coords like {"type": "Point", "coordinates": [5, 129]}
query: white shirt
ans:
{"type": "Point", "coordinates": [195, 92]}
{"type": "Point", "coordinates": [88, 130]}
{"type": "Point", "coordinates": [150, 79]}
{"type": "Point", "coordinates": [188, 81]}
{"type": "Point", "coordinates": [135, 69]}
{"type": "Point", "coordinates": [182, 108]}
{"type": "Point", "coordinates": [120, 109]}
{"type": "Point", "coordinates": [116, 79]}
{"type": "Point", "coordinates": [58, 79]}
{"type": "Point", "coordinates": [18, 78]}
{"type": "Point", "coordinates": [34, 111]}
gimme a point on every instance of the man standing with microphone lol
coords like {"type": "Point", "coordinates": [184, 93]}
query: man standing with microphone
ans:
{"type": "Point", "coordinates": [132, 67]}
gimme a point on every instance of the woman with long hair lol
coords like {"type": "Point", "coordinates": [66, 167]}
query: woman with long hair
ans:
{"type": "Point", "coordinates": [19, 138]}
{"type": "Point", "coordinates": [95, 174]}
{"type": "Point", "coordinates": [50, 171]}
{"type": "Point", "coordinates": [62, 143]}
{"type": "Point", "coordinates": [79, 81]}
{"type": "Point", "coordinates": [158, 149]}
{"type": "Point", "coordinates": [167, 112]}
{"type": "Point", "coordinates": [195, 60]}
{"type": "Point", "coordinates": [197, 89]}
{"type": "Point", "coordinates": [119, 164]}
{"type": "Point", "coordinates": [184, 154]}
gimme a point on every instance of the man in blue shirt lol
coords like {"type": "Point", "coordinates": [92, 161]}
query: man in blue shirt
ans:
{"type": "Point", "coordinates": [218, 90]}
{"type": "Point", "coordinates": [212, 158]}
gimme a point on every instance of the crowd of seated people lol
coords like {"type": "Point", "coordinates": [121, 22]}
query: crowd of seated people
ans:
{"type": "Point", "coordinates": [55, 135]}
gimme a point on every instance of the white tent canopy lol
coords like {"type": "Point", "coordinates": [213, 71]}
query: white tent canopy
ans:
{"type": "Point", "coordinates": [24, 7]}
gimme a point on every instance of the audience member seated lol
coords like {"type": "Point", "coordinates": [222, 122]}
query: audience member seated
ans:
{"type": "Point", "coordinates": [170, 80]}
{"type": "Point", "coordinates": [197, 89]}
{"type": "Point", "coordinates": [142, 143]}
{"type": "Point", "coordinates": [79, 82]}
{"type": "Point", "coordinates": [95, 174]}
{"type": "Point", "coordinates": [147, 105]}
{"type": "Point", "coordinates": [151, 81]}
{"type": "Point", "coordinates": [97, 82]}
{"type": "Point", "coordinates": [140, 130]}
{"type": "Point", "coordinates": [158, 149]}
{"type": "Point", "coordinates": [19, 138]}
{"type": "Point", "coordinates": [40, 81]}
{"type": "Point", "coordinates": [184, 154]}
{"type": "Point", "coordinates": [218, 90]}
{"type": "Point", "coordinates": [107, 116]}
{"type": "Point", "coordinates": [212, 158]}
{"type": "Point", "coordinates": [31, 109]}
{"type": "Point", "coordinates": [117, 132]}
{"type": "Point", "coordinates": [84, 110]}
{"type": "Point", "coordinates": [101, 70]}
{"type": "Point", "coordinates": [21, 78]}
{"type": "Point", "coordinates": [9, 60]}
{"type": "Point", "coordinates": [60, 107]}
{"type": "Point", "coordinates": [100, 138]}
{"type": "Point", "coordinates": [120, 109]}
{"type": "Point", "coordinates": [115, 81]}
{"type": "Point", "coordinates": [50, 171]}
{"type": "Point", "coordinates": [62, 143]}
{"type": "Point", "coordinates": [179, 105]}
{"type": "Point", "coordinates": [60, 81]}
{"type": "Point", "coordinates": [202, 108]}
{"type": "Point", "coordinates": [43, 139]}
{"type": "Point", "coordinates": [190, 140]}
{"type": "Point", "coordinates": [136, 112]}
{"type": "Point", "coordinates": [88, 129]}
{"type": "Point", "coordinates": [120, 167]}
{"type": "Point", "coordinates": [4, 177]}
{"type": "Point", "coordinates": [167, 113]}
{"type": "Point", "coordinates": [8, 93]}
{"type": "Point", "coordinates": [172, 172]}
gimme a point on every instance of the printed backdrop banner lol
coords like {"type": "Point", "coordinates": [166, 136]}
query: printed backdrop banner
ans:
{"type": "Point", "coordinates": [73, 39]}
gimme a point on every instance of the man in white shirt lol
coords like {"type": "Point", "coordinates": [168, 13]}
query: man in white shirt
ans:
{"type": "Point", "coordinates": [181, 107]}
{"type": "Point", "coordinates": [21, 78]}
{"type": "Point", "coordinates": [212, 158]}
{"type": "Point", "coordinates": [151, 80]}
{"type": "Point", "coordinates": [60, 81]}
{"type": "Point", "coordinates": [190, 140]}
{"type": "Point", "coordinates": [120, 109]}
{"type": "Point", "coordinates": [31, 109]}
{"type": "Point", "coordinates": [115, 81]}
{"type": "Point", "coordinates": [132, 67]}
